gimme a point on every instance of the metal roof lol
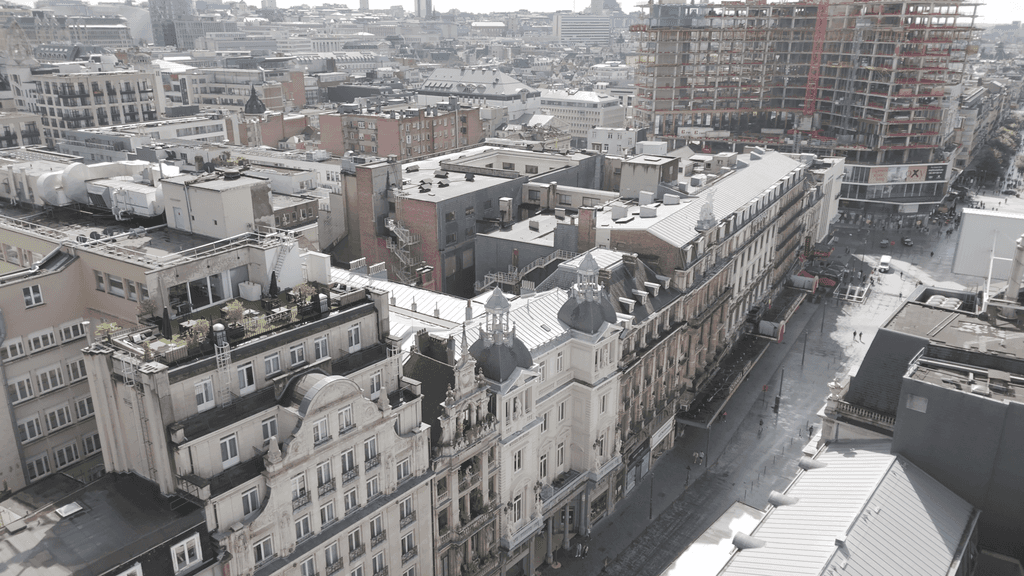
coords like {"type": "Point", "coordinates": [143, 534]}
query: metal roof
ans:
{"type": "Point", "coordinates": [893, 519]}
{"type": "Point", "coordinates": [676, 224]}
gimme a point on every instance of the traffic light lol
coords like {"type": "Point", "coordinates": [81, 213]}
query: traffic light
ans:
{"type": "Point", "coordinates": [776, 407]}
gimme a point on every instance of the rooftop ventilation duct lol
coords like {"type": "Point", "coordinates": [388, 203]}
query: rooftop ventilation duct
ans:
{"type": "Point", "coordinates": [810, 463]}
{"type": "Point", "coordinates": [746, 541]}
{"type": "Point", "coordinates": [779, 499]}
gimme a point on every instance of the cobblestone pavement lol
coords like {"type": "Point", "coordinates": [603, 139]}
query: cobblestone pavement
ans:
{"type": "Point", "coordinates": [819, 347]}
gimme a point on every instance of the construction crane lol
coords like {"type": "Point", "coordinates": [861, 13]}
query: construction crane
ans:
{"type": "Point", "coordinates": [806, 122]}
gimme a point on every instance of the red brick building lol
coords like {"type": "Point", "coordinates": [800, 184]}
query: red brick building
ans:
{"type": "Point", "coordinates": [406, 133]}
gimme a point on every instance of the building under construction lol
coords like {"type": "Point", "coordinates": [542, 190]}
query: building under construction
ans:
{"type": "Point", "coordinates": [875, 81]}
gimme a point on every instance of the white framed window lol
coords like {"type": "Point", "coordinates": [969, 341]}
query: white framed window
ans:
{"type": "Point", "coordinates": [376, 380]}
{"type": "Point", "coordinates": [408, 543]}
{"type": "Point", "coordinates": [307, 567]}
{"type": "Point", "coordinates": [298, 486]}
{"type": "Point", "coordinates": [372, 487]}
{"type": "Point", "coordinates": [345, 419]}
{"type": "Point", "coordinates": [58, 418]}
{"type": "Point", "coordinates": [187, 553]}
{"type": "Point", "coordinates": [604, 404]}
{"type": "Point", "coordinates": [404, 470]}
{"type": "Point", "coordinates": [348, 460]}
{"type": "Point", "coordinates": [133, 293]}
{"type": "Point", "coordinates": [324, 473]}
{"type": "Point", "coordinates": [84, 407]}
{"type": "Point", "coordinates": [405, 507]}
{"type": "Point", "coordinates": [72, 331]}
{"type": "Point", "coordinates": [263, 550]}
{"type": "Point", "coordinates": [269, 427]}
{"type": "Point", "coordinates": [517, 461]}
{"type": "Point", "coordinates": [332, 554]}
{"type": "Point", "coordinates": [351, 501]}
{"type": "Point", "coordinates": [246, 378]}
{"type": "Point", "coordinates": [320, 348]}
{"type": "Point", "coordinates": [543, 465]}
{"type": "Point", "coordinates": [376, 526]}
{"type": "Point", "coordinates": [561, 410]}
{"type": "Point", "coordinates": [560, 454]}
{"type": "Point", "coordinates": [250, 501]}
{"type": "Point", "coordinates": [12, 348]}
{"type": "Point", "coordinates": [65, 455]}
{"type": "Point", "coordinates": [378, 563]}
{"type": "Point", "coordinates": [115, 285]}
{"type": "Point", "coordinates": [38, 467]}
{"type": "Point", "coordinates": [100, 284]}
{"type": "Point", "coordinates": [302, 528]}
{"type": "Point", "coordinates": [204, 395]}
{"type": "Point", "coordinates": [272, 364]}
{"type": "Point", "coordinates": [321, 433]}
{"type": "Point", "coordinates": [41, 340]}
{"type": "Point", "coordinates": [370, 447]}
{"type": "Point", "coordinates": [357, 572]}
{"type": "Point", "coordinates": [544, 423]}
{"type": "Point", "coordinates": [33, 295]}
{"type": "Point", "coordinates": [76, 370]}
{"type": "Point", "coordinates": [20, 389]}
{"type": "Point", "coordinates": [297, 354]}
{"type": "Point", "coordinates": [542, 370]}
{"type": "Point", "coordinates": [410, 572]}
{"type": "Point", "coordinates": [354, 340]}
{"type": "Point", "coordinates": [229, 451]}
{"type": "Point", "coordinates": [327, 514]}
{"type": "Point", "coordinates": [91, 443]}
{"type": "Point", "coordinates": [355, 540]}
{"type": "Point", "coordinates": [517, 508]}
{"type": "Point", "coordinates": [49, 378]}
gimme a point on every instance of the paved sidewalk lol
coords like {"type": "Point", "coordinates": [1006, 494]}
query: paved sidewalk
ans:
{"type": "Point", "coordinates": [743, 466]}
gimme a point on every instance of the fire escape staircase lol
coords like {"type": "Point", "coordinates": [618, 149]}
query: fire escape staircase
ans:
{"type": "Point", "coordinates": [515, 275]}
{"type": "Point", "coordinates": [400, 245]}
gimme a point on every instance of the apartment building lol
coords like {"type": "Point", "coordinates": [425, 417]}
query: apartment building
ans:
{"type": "Point", "coordinates": [230, 88]}
{"type": "Point", "coordinates": [583, 111]}
{"type": "Point", "coordinates": [19, 129]}
{"type": "Point", "coordinates": [422, 219]}
{"type": "Point", "coordinates": [728, 245]}
{"type": "Point", "coordinates": [406, 132]}
{"type": "Point", "coordinates": [163, 14]}
{"type": "Point", "coordinates": [118, 143]}
{"type": "Point", "coordinates": [876, 82]}
{"type": "Point", "coordinates": [72, 100]}
{"type": "Point", "coordinates": [302, 442]}
{"type": "Point", "coordinates": [614, 141]}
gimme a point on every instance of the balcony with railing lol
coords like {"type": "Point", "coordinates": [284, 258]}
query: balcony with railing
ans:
{"type": "Point", "coordinates": [349, 476]}
{"type": "Point", "coordinates": [382, 572]}
{"type": "Point", "coordinates": [356, 552]}
{"type": "Point", "coordinates": [407, 519]}
{"type": "Point", "coordinates": [372, 462]}
{"type": "Point", "coordinates": [333, 568]}
{"type": "Point", "coordinates": [300, 500]}
{"type": "Point", "coordinates": [408, 555]}
{"type": "Point", "coordinates": [378, 538]}
{"type": "Point", "coordinates": [327, 487]}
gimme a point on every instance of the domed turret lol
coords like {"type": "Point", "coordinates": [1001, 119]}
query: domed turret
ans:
{"type": "Point", "coordinates": [254, 105]}
{"type": "Point", "coordinates": [588, 306]}
{"type": "Point", "coordinates": [498, 352]}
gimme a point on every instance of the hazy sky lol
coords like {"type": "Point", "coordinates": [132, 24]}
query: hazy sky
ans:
{"type": "Point", "coordinates": [992, 12]}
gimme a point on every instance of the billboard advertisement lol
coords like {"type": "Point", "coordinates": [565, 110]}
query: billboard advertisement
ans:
{"type": "Point", "coordinates": [911, 173]}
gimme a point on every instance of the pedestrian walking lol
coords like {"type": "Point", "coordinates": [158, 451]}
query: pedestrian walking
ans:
{"type": "Point", "coordinates": [702, 457]}
{"type": "Point", "coordinates": [725, 416]}
{"type": "Point", "coordinates": [855, 335]}
{"type": "Point", "coordinates": [933, 254]}
{"type": "Point", "coordinates": [695, 456]}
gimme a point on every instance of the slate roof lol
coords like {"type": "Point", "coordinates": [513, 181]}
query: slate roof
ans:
{"type": "Point", "coordinates": [879, 380]}
{"type": "Point", "coordinates": [896, 520]}
{"type": "Point", "coordinates": [481, 82]}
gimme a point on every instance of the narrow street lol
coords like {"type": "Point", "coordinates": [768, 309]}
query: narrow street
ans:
{"type": "Point", "coordinates": [741, 465]}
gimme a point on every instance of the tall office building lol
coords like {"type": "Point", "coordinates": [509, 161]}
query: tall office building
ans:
{"type": "Point", "coordinates": [364, 5]}
{"type": "Point", "coordinates": [424, 9]}
{"type": "Point", "coordinates": [163, 13]}
{"type": "Point", "coordinates": [875, 81]}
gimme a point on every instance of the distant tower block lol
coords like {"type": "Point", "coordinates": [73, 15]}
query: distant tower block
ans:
{"type": "Point", "coordinates": [424, 9]}
{"type": "Point", "coordinates": [269, 4]}
{"type": "Point", "coordinates": [597, 6]}
{"type": "Point", "coordinates": [364, 5]}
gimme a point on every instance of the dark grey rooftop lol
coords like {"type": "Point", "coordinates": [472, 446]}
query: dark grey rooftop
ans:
{"type": "Point", "coordinates": [122, 517]}
{"type": "Point", "coordinates": [879, 380]}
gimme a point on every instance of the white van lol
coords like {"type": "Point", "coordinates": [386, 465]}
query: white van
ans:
{"type": "Point", "coordinates": [883, 264]}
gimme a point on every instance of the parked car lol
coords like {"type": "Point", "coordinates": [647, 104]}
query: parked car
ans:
{"type": "Point", "coordinates": [907, 241]}
{"type": "Point", "coordinates": [883, 244]}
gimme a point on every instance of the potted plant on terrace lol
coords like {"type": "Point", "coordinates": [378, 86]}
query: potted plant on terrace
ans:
{"type": "Point", "coordinates": [234, 312]}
